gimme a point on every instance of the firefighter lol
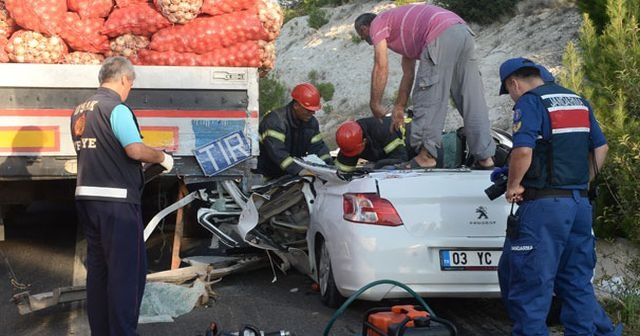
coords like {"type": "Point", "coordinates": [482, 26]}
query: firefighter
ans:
{"type": "Point", "coordinates": [369, 139]}
{"type": "Point", "coordinates": [557, 148]}
{"type": "Point", "coordinates": [291, 131]}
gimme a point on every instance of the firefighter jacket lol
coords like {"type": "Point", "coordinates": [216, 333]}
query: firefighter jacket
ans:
{"type": "Point", "coordinates": [105, 172]}
{"type": "Point", "coordinates": [561, 158]}
{"type": "Point", "coordinates": [283, 137]}
{"type": "Point", "coordinates": [380, 144]}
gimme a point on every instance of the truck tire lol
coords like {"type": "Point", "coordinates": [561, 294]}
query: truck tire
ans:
{"type": "Point", "coordinates": [329, 294]}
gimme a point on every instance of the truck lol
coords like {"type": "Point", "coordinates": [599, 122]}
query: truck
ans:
{"type": "Point", "coordinates": [180, 109]}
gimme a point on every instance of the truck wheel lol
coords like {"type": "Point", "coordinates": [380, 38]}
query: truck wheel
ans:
{"type": "Point", "coordinates": [329, 294]}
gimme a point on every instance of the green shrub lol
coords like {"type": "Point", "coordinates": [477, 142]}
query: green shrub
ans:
{"type": "Point", "coordinates": [313, 76]}
{"type": "Point", "coordinates": [605, 70]}
{"type": "Point", "coordinates": [317, 17]}
{"type": "Point", "coordinates": [326, 90]}
{"type": "Point", "coordinates": [355, 38]}
{"type": "Point", "coordinates": [479, 11]}
{"type": "Point", "coordinates": [609, 61]}
{"type": "Point", "coordinates": [272, 94]}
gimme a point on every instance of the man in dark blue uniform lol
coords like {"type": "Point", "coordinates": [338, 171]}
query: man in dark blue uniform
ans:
{"type": "Point", "coordinates": [557, 148]}
{"type": "Point", "coordinates": [108, 193]}
{"type": "Point", "coordinates": [291, 131]}
{"type": "Point", "coordinates": [371, 139]}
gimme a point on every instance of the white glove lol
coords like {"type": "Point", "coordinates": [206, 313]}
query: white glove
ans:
{"type": "Point", "coordinates": [167, 163]}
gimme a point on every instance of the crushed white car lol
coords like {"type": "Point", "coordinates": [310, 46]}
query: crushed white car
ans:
{"type": "Point", "coordinates": [434, 230]}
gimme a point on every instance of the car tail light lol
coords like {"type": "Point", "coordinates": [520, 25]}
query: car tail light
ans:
{"type": "Point", "coordinates": [369, 209]}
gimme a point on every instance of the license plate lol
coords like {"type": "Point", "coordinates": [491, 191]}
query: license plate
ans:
{"type": "Point", "coordinates": [469, 260]}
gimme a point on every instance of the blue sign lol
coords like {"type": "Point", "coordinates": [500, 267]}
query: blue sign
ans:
{"type": "Point", "coordinates": [223, 153]}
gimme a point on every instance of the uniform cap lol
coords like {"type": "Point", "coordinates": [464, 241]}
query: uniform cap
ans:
{"type": "Point", "coordinates": [514, 64]}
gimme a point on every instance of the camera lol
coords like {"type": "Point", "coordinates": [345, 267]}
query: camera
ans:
{"type": "Point", "coordinates": [498, 187]}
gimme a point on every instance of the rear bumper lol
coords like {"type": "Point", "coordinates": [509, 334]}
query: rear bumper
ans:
{"type": "Point", "coordinates": [392, 253]}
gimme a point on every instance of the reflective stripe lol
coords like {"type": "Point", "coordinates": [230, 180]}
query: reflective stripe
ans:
{"type": "Point", "coordinates": [316, 138]}
{"type": "Point", "coordinates": [273, 134]}
{"type": "Point", "coordinates": [325, 157]}
{"type": "Point", "coordinates": [344, 167]}
{"type": "Point", "coordinates": [390, 147]}
{"type": "Point", "coordinates": [101, 192]}
{"type": "Point", "coordinates": [286, 162]}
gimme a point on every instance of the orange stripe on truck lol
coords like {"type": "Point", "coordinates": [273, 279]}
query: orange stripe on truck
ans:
{"type": "Point", "coordinates": [161, 137]}
{"type": "Point", "coordinates": [39, 139]}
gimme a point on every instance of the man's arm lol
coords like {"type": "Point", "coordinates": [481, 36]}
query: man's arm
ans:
{"type": "Point", "coordinates": [140, 152]}
{"type": "Point", "coordinates": [126, 131]}
{"type": "Point", "coordinates": [379, 76]}
{"type": "Point", "coordinates": [599, 155]}
{"type": "Point", "coordinates": [273, 138]}
{"type": "Point", "coordinates": [408, 74]}
{"type": "Point", "coordinates": [518, 166]}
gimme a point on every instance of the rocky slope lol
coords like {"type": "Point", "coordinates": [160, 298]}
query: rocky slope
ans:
{"type": "Point", "coordinates": [540, 30]}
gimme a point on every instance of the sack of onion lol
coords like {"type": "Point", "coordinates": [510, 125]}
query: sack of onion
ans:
{"type": "Point", "coordinates": [217, 7]}
{"type": "Point", "coordinates": [179, 11]}
{"type": "Point", "coordinates": [141, 19]}
{"type": "Point", "coordinates": [4, 58]}
{"type": "Point", "coordinates": [91, 8]}
{"type": "Point", "coordinates": [205, 34]}
{"type": "Point", "coordinates": [41, 16]}
{"type": "Point", "coordinates": [32, 47]}
{"type": "Point", "coordinates": [84, 34]}
{"type": "Point", "coordinates": [81, 57]}
{"type": "Point", "coordinates": [257, 54]}
{"type": "Point", "coordinates": [128, 45]}
{"type": "Point", "coordinates": [125, 3]}
{"type": "Point", "coordinates": [7, 23]}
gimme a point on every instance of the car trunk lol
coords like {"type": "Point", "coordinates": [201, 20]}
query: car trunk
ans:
{"type": "Point", "coordinates": [444, 203]}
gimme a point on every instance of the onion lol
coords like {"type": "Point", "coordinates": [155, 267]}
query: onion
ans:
{"type": "Point", "coordinates": [32, 47]}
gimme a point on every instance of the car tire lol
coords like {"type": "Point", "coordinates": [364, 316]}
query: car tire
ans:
{"type": "Point", "coordinates": [329, 294]}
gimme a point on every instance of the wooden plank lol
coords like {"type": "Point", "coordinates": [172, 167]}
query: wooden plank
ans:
{"type": "Point", "coordinates": [180, 275]}
{"type": "Point", "coordinates": [179, 228]}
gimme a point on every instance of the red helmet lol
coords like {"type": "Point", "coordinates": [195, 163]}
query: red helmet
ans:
{"type": "Point", "coordinates": [307, 95]}
{"type": "Point", "coordinates": [349, 138]}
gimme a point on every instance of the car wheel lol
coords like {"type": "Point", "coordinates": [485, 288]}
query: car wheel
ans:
{"type": "Point", "coordinates": [329, 294]}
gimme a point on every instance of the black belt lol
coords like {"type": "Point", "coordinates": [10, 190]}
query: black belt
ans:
{"type": "Point", "coordinates": [533, 194]}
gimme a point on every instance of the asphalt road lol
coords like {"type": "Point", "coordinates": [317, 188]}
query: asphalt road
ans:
{"type": "Point", "coordinates": [40, 246]}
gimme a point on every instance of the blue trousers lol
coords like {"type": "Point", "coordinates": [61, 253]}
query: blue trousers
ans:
{"type": "Point", "coordinates": [552, 250]}
{"type": "Point", "coordinates": [116, 265]}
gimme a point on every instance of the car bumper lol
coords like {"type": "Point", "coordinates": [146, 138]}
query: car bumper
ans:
{"type": "Point", "coordinates": [392, 253]}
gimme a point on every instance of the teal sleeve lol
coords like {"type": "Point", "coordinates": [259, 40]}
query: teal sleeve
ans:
{"type": "Point", "coordinates": [123, 126]}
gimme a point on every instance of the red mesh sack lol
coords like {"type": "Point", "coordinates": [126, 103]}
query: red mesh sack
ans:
{"type": "Point", "coordinates": [205, 34]}
{"type": "Point", "coordinates": [84, 34]}
{"type": "Point", "coordinates": [218, 7]}
{"type": "Point", "coordinates": [257, 54]}
{"type": "Point", "coordinates": [125, 3]}
{"type": "Point", "coordinates": [7, 24]}
{"type": "Point", "coordinates": [140, 19]}
{"type": "Point", "coordinates": [42, 16]}
{"type": "Point", "coordinates": [91, 8]}
{"type": "Point", "coordinates": [81, 57]}
{"type": "Point", "coordinates": [179, 11]}
{"type": "Point", "coordinates": [4, 58]}
{"type": "Point", "coordinates": [32, 47]}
